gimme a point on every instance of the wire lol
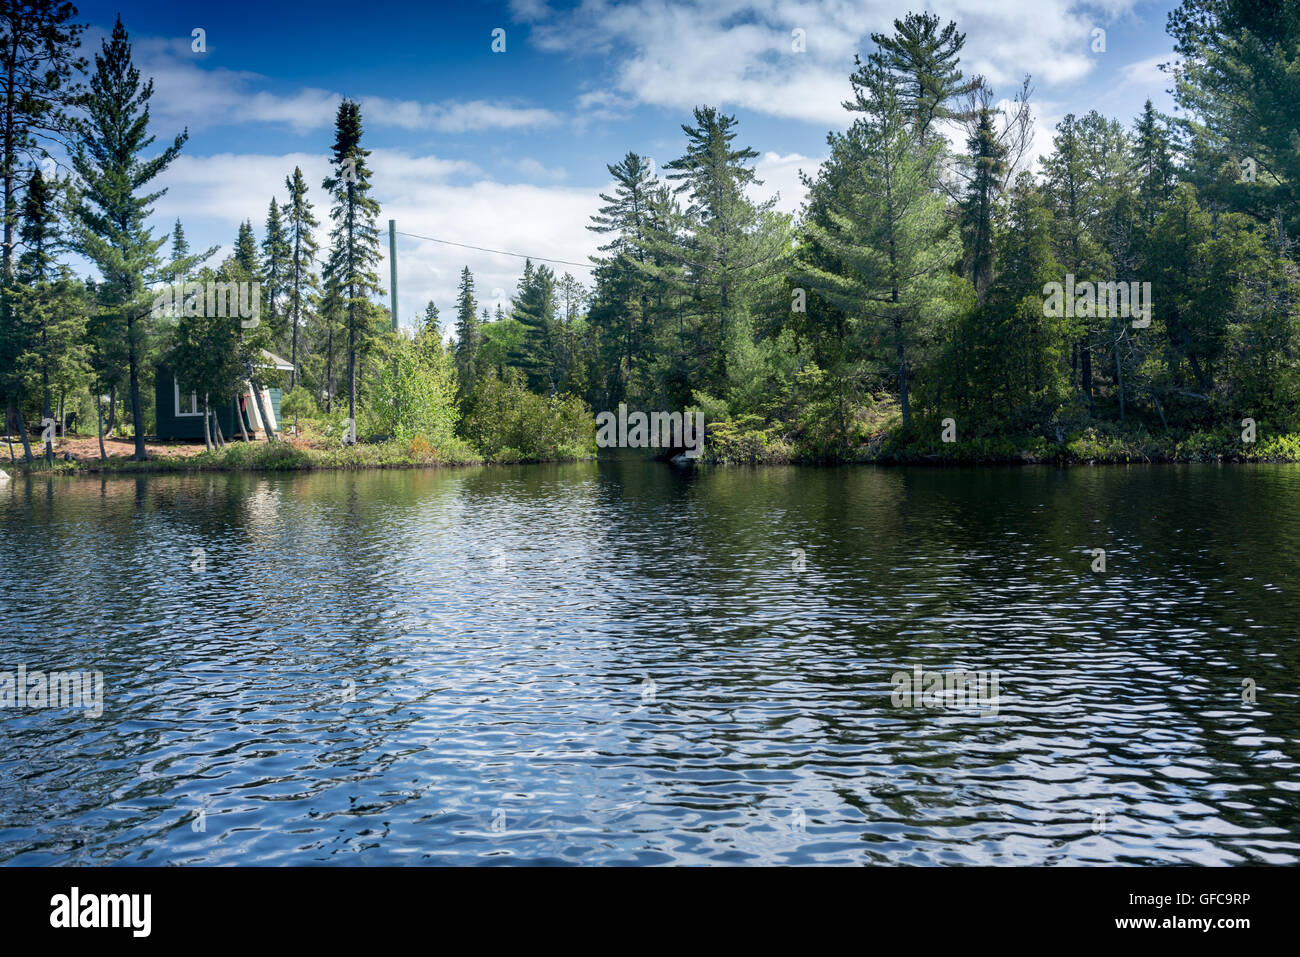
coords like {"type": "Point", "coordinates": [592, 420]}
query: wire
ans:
{"type": "Point", "coordinates": [499, 252]}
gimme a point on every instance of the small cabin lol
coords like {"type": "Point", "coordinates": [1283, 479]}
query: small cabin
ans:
{"type": "Point", "coordinates": [180, 411]}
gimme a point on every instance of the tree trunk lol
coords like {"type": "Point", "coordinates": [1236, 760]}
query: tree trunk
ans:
{"type": "Point", "coordinates": [1159, 408]}
{"type": "Point", "coordinates": [46, 413]}
{"type": "Point", "coordinates": [1119, 375]}
{"type": "Point", "coordinates": [261, 407]}
{"type": "Point", "coordinates": [352, 378]}
{"type": "Point", "coordinates": [239, 414]}
{"type": "Point", "coordinates": [1085, 371]}
{"type": "Point", "coordinates": [900, 351]}
{"type": "Point", "coordinates": [99, 413]}
{"type": "Point", "coordinates": [137, 413]}
{"type": "Point", "coordinates": [22, 431]}
{"type": "Point", "coordinates": [112, 409]}
{"type": "Point", "coordinates": [216, 429]}
{"type": "Point", "coordinates": [297, 308]}
{"type": "Point", "coordinates": [207, 432]}
{"type": "Point", "coordinates": [329, 368]}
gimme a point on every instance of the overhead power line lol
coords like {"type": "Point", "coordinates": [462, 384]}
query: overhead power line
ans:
{"type": "Point", "coordinates": [499, 252]}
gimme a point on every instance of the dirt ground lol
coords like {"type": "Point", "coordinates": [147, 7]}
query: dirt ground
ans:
{"type": "Point", "coordinates": [87, 447]}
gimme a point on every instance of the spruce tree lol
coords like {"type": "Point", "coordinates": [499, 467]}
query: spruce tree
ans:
{"type": "Point", "coordinates": [302, 280]}
{"type": "Point", "coordinates": [429, 337]}
{"type": "Point", "coordinates": [727, 252]}
{"type": "Point", "coordinates": [468, 335]}
{"type": "Point", "coordinates": [245, 254]}
{"type": "Point", "coordinates": [535, 310]}
{"type": "Point", "coordinates": [354, 252]}
{"type": "Point", "coordinates": [1154, 162]}
{"type": "Point", "coordinates": [429, 321]}
{"type": "Point", "coordinates": [275, 271]}
{"type": "Point", "coordinates": [978, 210]}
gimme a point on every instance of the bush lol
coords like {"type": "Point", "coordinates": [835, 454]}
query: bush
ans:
{"type": "Point", "coordinates": [298, 403]}
{"type": "Point", "coordinates": [508, 423]}
{"type": "Point", "coordinates": [415, 394]}
{"type": "Point", "coordinates": [744, 441]}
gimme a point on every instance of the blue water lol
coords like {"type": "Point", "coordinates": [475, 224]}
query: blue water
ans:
{"type": "Point", "coordinates": [619, 662]}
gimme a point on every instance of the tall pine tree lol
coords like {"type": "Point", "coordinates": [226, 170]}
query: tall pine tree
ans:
{"type": "Point", "coordinates": [301, 277]}
{"type": "Point", "coordinates": [113, 205]}
{"type": "Point", "coordinates": [354, 252]}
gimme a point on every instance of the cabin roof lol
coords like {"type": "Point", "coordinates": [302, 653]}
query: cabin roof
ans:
{"type": "Point", "coordinates": [283, 364]}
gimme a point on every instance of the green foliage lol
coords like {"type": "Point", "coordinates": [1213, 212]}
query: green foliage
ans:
{"type": "Point", "coordinates": [414, 394]}
{"type": "Point", "coordinates": [508, 423]}
{"type": "Point", "coordinates": [114, 204]}
{"type": "Point", "coordinates": [298, 403]}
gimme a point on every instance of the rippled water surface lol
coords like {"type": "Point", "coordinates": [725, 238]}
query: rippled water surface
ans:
{"type": "Point", "coordinates": [619, 662]}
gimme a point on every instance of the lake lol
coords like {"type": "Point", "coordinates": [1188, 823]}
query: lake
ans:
{"type": "Point", "coordinates": [620, 662]}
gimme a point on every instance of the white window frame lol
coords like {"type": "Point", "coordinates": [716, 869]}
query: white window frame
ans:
{"type": "Point", "coordinates": [194, 397]}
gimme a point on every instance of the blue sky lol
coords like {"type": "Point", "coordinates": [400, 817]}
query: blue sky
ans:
{"type": "Point", "coordinates": [508, 150]}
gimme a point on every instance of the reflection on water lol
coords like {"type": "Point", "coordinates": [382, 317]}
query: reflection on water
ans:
{"type": "Point", "coordinates": [619, 662]}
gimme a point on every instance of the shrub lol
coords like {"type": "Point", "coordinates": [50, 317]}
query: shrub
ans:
{"type": "Point", "coordinates": [298, 403]}
{"type": "Point", "coordinates": [508, 423]}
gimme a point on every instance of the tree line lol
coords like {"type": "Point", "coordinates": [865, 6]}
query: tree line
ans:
{"type": "Point", "coordinates": [910, 288]}
{"type": "Point", "coordinates": [62, 336]}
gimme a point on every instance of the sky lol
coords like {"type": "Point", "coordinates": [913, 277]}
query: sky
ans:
{"type": "Point", "coordinates": [509, 150]}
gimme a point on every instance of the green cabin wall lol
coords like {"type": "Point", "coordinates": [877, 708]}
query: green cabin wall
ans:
{"type": "Point", "coordinates": [190, 428]}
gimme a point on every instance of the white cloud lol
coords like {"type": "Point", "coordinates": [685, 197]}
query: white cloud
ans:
{"type": "Point", "coordinates": [188, 94]}
{"type": "Point", "coordinates": [739, 52]}
{"type": "Point", "coordinates": [780, 174]}
{"type": "Point", "coordinates": [426, 195]}
{"type": "Point", "coordinates": [1147, 73]}
{"type": "Point", "coordinates": [535, 170]}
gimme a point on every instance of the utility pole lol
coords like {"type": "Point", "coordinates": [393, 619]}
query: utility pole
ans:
{"type": "Point", "coordinates": [392, 267]}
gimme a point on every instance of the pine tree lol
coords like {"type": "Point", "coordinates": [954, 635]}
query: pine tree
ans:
{"type": "Point", "coordinates": [275, 271]}
{"type": "Point", "coordinates": [979, 207]}
{"type": "Point", "coordinates": [180, 249]}
{"type": "Point", "coordinates": [354, 251]}
{"type": "Point", "coordinates": [468, 335]}
{"type": "Point", "coordinates": [38, 57]}
{"type": "Point", "coordinates": [535, 310]}
{"type": "Point", "coordinates": [113, 207]}
{"type": "Point", "coordinates": [623, 300]}
{"type": "Point", "coordinates": [301, 278]}
{"type": "Point", "coordinates": [728, 251]}
{"type": "Point", "coordinates": [891, 235]}
{"type": "Point", "coordinates": [245, 254]}
{"type": "Point", "coordinates": [1239, 82]}
{"type": "Point", "coordinates": [920, 61]}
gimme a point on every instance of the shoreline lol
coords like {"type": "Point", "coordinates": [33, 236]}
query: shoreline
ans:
{"type": "Point", "coordinates": [187, 465]}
